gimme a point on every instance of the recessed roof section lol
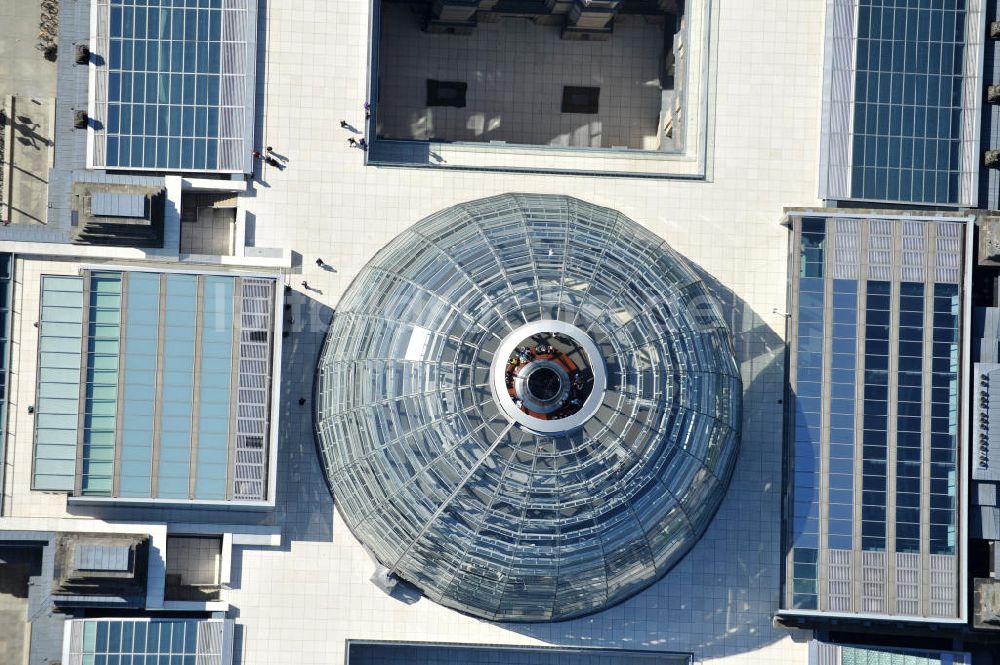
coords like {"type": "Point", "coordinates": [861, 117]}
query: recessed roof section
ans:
{"type": "Point", "coordinates": [590, 86]}
{"type": "Point", "coordinates": [172, 86]}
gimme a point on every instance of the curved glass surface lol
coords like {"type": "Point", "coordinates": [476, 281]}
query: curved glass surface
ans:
{"type": "Point", "coordinates": [452, 493]}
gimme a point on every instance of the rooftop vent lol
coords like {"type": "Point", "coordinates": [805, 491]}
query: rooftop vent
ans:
{"type": "Point", "coordinates": [109, 204]}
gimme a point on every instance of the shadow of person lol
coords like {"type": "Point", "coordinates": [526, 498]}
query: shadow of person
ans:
{"type": "Point", "coordinates": [29, 136]}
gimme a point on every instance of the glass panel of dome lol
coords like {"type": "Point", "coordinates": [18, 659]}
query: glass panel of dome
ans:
{"type": "Point", "coordinates": [539, 344]}
{"type": "Point", "coordinates": [857, 444]}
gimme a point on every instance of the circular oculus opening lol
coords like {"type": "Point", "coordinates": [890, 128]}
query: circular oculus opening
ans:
{"type": "Point", "coordinates": [545, 384]}
{"type": "Point", "coordinates": [548, 377]}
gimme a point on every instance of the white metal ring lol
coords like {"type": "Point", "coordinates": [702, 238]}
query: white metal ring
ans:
{"type": "Point", "coordinates": [498, 381]}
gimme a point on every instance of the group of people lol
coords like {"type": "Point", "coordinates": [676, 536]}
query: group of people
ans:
{"type": "Point", "coordinates": [524, 355]}
{"type": "Point", "coordinates": [351, 141]}
{"type": "Point", "coordinates": [269, 157]}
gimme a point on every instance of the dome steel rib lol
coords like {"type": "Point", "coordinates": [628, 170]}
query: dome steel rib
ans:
{"type": "Point", "coordinates": [528, 407]}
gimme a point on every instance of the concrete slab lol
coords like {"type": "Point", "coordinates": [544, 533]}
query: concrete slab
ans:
{"type": "Point", "coordinates": [515, 71]}
{"type": "Point", "coordinates": [25, 70]}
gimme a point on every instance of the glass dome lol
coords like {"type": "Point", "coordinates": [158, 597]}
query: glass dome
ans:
{"type": "Point", "coordinates": [528, 407]}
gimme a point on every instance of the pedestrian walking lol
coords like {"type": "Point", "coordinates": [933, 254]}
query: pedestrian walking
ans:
{"type": "Point", "coordinates": [320, 263]}
{"type": "Point", "coordinates": [271, 161]}
{"type": "Point", "coordinates": [363, 144]}
{"type": "Point", "coordinates": [302, 401]}
{"type": "Point", "coordinates": [269, 149]}
{"type": "Point", "coordinates": [352, 142]}
{"type": "Point", "coordinates": [368, 109]}
{"type": "Point", "coordinates": [343, 123]}
{"type": "Point", "coordinates": [255, 154]}
{"type": "Point", "coordinates": [305, 285]}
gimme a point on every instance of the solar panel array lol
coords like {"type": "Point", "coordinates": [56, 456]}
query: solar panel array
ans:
{"type": "Point", "coordinates": [874, 340]}
{"type": "Point", "coordinates": [902, 99]}
{"type": "Point", "coordinates": [909, 102]}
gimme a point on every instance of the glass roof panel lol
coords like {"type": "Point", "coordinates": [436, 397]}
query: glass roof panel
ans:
{"type": "Point", "coordinates": [436, 459]}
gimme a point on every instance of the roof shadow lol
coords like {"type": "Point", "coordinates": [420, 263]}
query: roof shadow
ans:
{"type": "Point", "coordinates": [720, 598]}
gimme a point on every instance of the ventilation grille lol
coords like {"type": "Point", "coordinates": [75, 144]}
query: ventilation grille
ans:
{"type": "Point", "coordinates": [972, 91]}
{"type": "Point", "coordinates": [873, 582]}
{"type": "Point", "coordinates": [907, 583]}
{"type": "Point", "coordinates": [253, 393]}
{"type": "Point", "coordinates": [949, 253]}
{"type": "Point", "coordinates": [839, 96]}
{"type": "Point", "coordinates": [839, 580]}
{"type": "Point", "coordinates": [880, 250]}
{"type": "Point", "coordinates": [210, 637]}
{"type": "Point", "coordinates": [943, 585]}
{"type": "Point", "coordinates": [914, 252]}
{"type": "Point", "coordinates": [845, 249]}
{"type": "Point", "coordinates": [99, 110]}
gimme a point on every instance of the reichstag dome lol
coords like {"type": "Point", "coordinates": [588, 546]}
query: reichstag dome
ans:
{"type": "Point", "coordinates": [528, 407]}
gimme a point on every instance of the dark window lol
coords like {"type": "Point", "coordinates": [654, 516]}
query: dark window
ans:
{"type": "Point", "coordinates": [446, 93]}
{"type": "Point", "coordinates": [577, 99]}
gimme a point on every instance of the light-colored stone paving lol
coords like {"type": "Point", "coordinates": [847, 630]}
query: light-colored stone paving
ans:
{"type": "Point", "coordinates": [25, 71]}
{"type": "Point", "coordinates": [27, 89]}
{"type": "Point", "coordinates": [301, 604]}
{"type": "Point", "coordinates": [298, 604]}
